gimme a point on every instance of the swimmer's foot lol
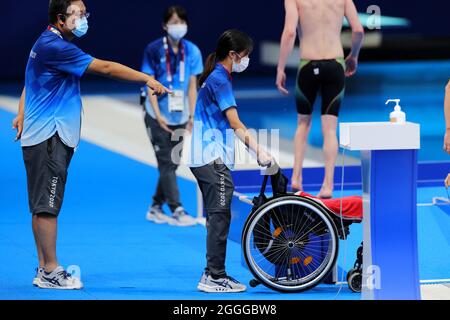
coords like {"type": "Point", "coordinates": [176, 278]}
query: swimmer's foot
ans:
{"type": "Point", "coordinates": [325, 193]}
{"type": "Point", "coordinates": [296, 187]}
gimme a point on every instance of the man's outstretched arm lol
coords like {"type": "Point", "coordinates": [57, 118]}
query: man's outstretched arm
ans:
{"type": "Point", "coordinates": [120, 72]}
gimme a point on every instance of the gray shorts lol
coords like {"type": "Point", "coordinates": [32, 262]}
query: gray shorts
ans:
{"type": "Point", "coordinates": [46, 165]}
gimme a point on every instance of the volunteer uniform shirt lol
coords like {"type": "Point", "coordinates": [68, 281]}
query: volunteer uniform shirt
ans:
{"type": "Point", "coordinates": [52, 84]}
{"type": "Point", "coordinates": [212, 136]}
{"type": "Point", "coordinates": [155, 64]}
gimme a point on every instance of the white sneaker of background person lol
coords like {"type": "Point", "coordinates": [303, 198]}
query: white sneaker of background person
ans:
{"type": "Point", "coordinates": [157, 215]}
{"type": "Point", "coordinates": [181, 218]}
{"type": "Point", "coordinates": [58, 279]}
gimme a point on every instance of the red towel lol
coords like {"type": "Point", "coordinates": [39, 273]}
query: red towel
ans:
{"type": "Point", "coordinates": [352, 207]}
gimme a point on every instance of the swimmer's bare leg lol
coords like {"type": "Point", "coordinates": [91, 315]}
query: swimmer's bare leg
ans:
{"type": "Point", "coordinates": [301, 137]}
{"type": "Point", "coordinates": [330, 151]}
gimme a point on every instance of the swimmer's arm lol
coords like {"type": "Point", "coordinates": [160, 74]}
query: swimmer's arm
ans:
{"type": "Point", "coordinates": [18, 121]}
{"type": "Point", "coordinates": [447, 118]}
{"type": "Point", "coordinates": [351, 14]}
{"type": "Point", "coordinates": [289, 32]}
{"type": "Point", "coordinates": [120, 72]}
{"type": "Point", "coordinates": [447, 107]}
{"type": "Point", "coordinates": [244, 135]}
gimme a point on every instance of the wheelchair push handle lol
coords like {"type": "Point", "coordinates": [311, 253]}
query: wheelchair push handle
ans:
{"type": "Point", "coordinates": [279, 181]}
{"type": "Point", "coordinates": [261, 198]}
{"type": "Point", "coordinates": [264, 184]}
{"type": "Point", "coordinates": [271, 168]}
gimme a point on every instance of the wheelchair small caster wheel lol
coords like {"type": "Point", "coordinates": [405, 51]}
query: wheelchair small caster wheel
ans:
{"type": "Point", "coordinates": [254, 283]}
{"type": "Point", "coordinates": [350, 272]}
{"type": "Point", "coordinates": [355, 281]}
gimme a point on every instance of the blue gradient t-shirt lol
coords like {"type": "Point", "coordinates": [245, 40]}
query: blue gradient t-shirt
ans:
{"type": "Point", "coordinates": [212, 136]}
{"type": "Point", "coordinates": [155, 64]}
{"type": "Point", "coordinates": [52, 85]}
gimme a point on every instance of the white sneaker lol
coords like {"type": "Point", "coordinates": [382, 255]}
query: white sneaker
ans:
{"type": "Point", "coordinates": [157, 215]}
{"type": "Point", "coordinates": [37, 277]}
{"type": "Point", "coordinates": [59, 279]}
{"type": "Point", "coordinates": [222, 285]}
{"type": "Point", "coordinates": [181, 219]}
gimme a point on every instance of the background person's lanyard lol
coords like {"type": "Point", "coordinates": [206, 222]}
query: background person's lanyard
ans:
{"type": "Point", "coordinates": [168, 64]}
{"type": "Point", "coordinates": [55, 31]}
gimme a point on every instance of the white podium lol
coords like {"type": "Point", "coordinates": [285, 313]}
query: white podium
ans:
{"type": "Point", "coordinates": [389, 175]}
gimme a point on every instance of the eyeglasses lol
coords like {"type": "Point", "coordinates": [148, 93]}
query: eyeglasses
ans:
{"type": "Point", "coordinates": [81, 15]}
{"type": "Point", "coordinates": [239, 56]}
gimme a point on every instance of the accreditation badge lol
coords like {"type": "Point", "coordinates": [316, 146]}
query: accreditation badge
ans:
{"type": "Point", "coordinates": [176, 101]}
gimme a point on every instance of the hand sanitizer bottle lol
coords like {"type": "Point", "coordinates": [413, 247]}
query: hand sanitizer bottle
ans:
{"type": "Point", "coordinates": [397, 116]}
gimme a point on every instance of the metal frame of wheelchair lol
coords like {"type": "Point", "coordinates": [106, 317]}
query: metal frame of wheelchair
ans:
{"type": "Point", "coordinates": [291, 243]}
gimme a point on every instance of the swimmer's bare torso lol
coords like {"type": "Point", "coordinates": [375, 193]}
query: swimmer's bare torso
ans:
{"type": "Point", "coordinates": [319, 28]}
{"type": "Point", "coordinates": [318, 24]}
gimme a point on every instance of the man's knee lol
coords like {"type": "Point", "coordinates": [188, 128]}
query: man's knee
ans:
{"type": "Point", "coordinates": [45, 215]}
{"type": "Point", "coordinates": [329, 123]}
{"type": "Point", "coordinates": [304, 120]}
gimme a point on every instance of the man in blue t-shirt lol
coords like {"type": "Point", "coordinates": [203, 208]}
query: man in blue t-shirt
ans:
{"type": "Point", "coordinates": [49, 124]}
{"type": "Point", "coordinates": [176, 63]}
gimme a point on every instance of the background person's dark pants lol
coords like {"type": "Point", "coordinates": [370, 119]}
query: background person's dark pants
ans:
{"type": "Point", "coordinates": [167, 189]}
{"type": "Point", "coordinates": [217, 188]}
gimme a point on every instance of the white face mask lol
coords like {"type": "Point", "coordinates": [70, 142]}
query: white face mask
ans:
{"type": "Point", "coordinates": [81, 27]}
{"type": "Point", "coordinates": [240, 67]}
{"type": "Point", "coordinates": [177, 31]}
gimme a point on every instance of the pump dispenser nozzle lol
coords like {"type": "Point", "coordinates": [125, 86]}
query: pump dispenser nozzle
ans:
{"type": "Point", "coordinates": [397, 104]}
{"type": "Point", "coordinates": [397, 116]}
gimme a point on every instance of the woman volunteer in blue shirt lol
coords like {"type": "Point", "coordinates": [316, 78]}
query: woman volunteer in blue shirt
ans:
{"type": "Point", "coordinates": [216, 121]}
{"type": "Point", "coordinates": [175, 62]}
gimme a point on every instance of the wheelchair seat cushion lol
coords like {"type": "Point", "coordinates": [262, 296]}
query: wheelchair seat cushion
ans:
{"type": "Point", "coordinates": [352, 207]}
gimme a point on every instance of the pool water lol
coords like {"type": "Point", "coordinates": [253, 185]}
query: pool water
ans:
{"type": "Point", "coordinates": [419, 85]}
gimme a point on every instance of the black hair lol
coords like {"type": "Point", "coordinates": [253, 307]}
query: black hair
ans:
{"type": "Point", "coordinates": [170, 11]}
{"type": "Point", "coordinates": [230, 40]}
{"type": "Point", "coordinates": [56, 8]}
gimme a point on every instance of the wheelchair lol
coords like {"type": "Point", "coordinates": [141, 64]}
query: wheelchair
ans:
{"type": "Point", "coordinates": [291, 242]}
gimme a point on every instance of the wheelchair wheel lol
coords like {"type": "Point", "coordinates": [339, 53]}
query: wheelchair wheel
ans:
{"type": "Point", "coordinates": [350, 272]}
{"type": "Point", "coordinates": [290, 244]}
{"type": "Point", "coordinates": [354, 279]}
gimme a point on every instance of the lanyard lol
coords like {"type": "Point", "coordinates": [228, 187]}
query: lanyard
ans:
{"type": "Point", "coordinates": [228, 72]}
{"type": "Point", "coordinates": [168, 60]}
{"type": "Point", "coordinates": [55, 31]}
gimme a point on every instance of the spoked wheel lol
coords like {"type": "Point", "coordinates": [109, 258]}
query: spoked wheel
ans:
{"type": "Point", "coordinates": [290, 244]}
